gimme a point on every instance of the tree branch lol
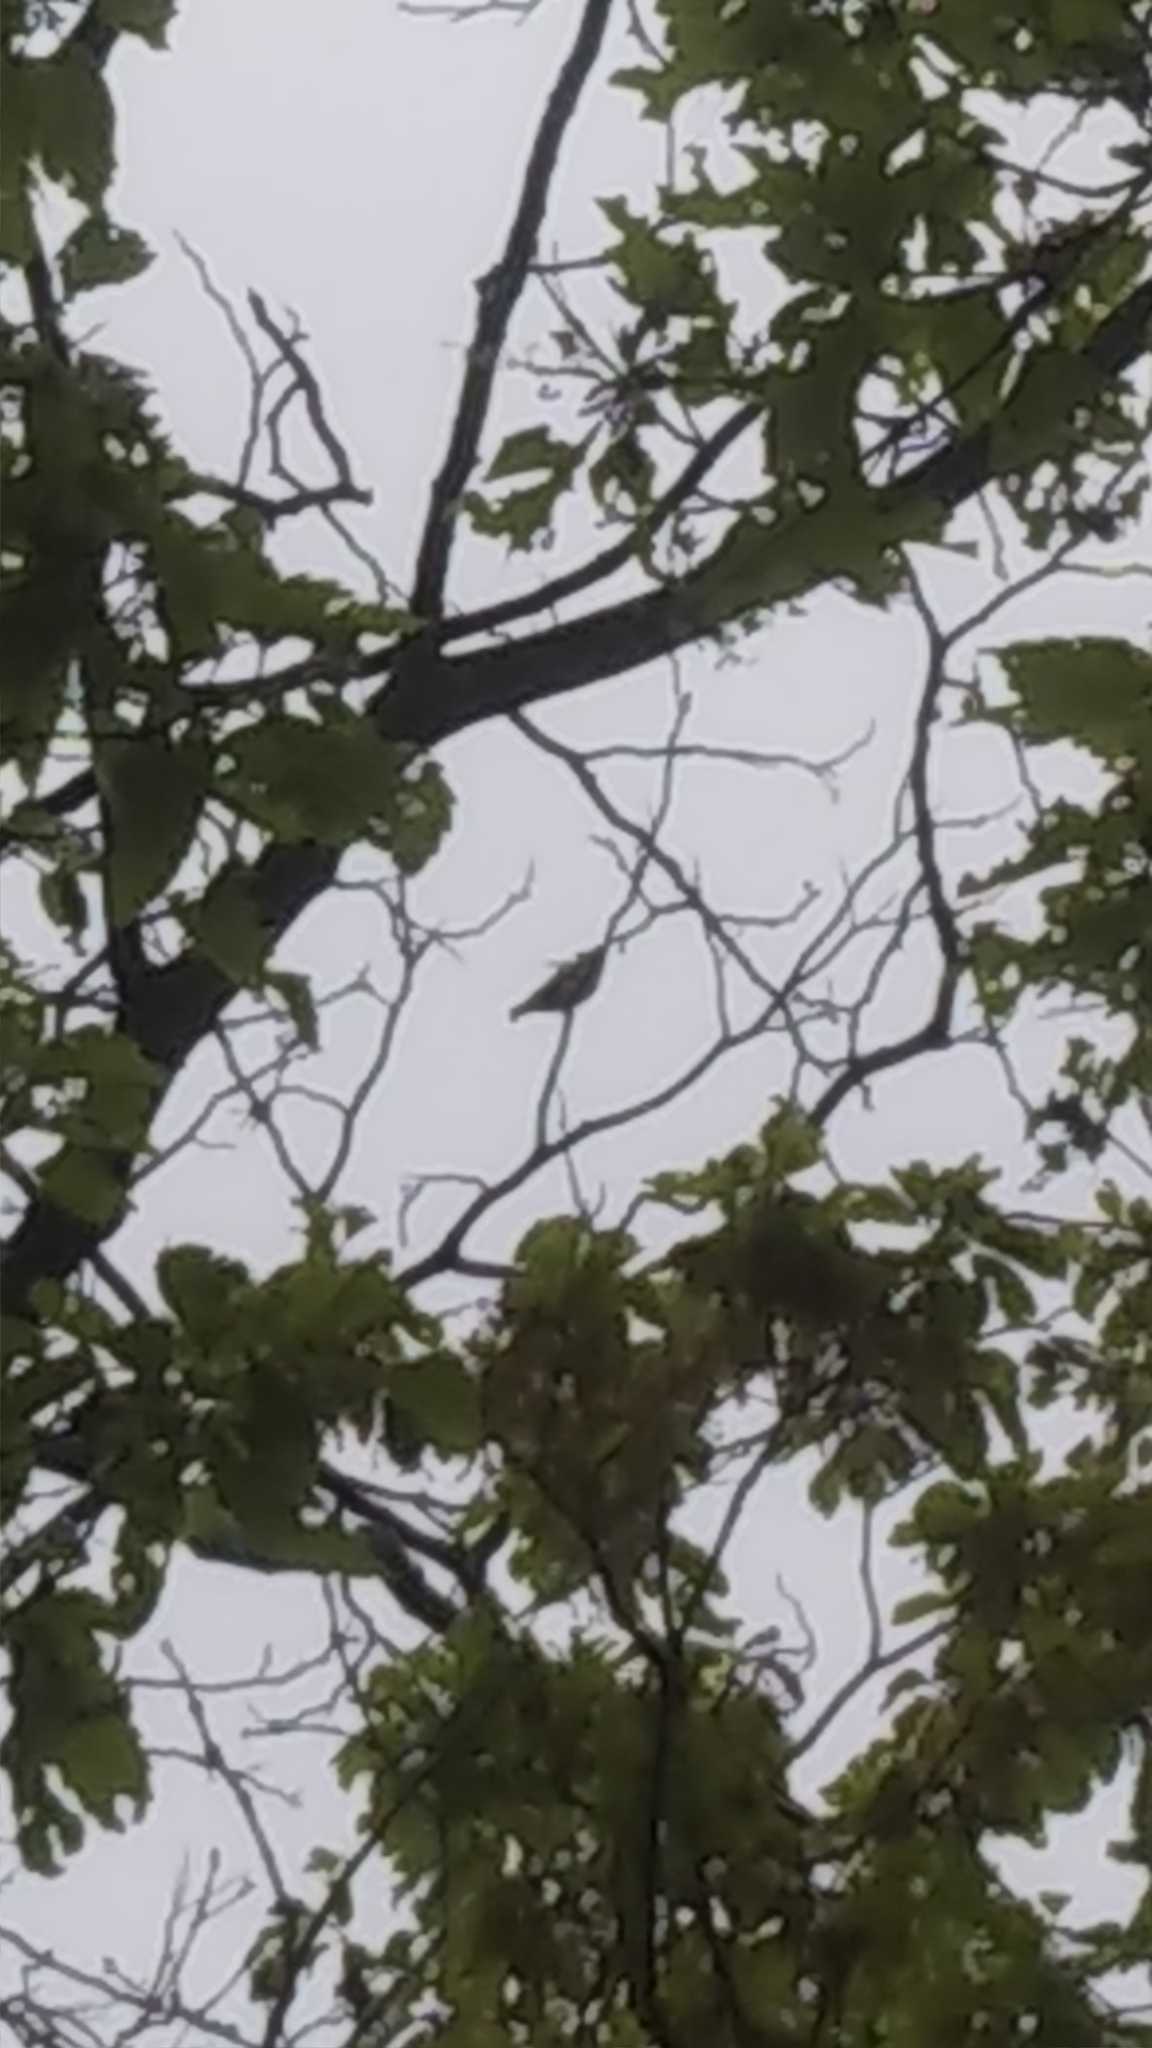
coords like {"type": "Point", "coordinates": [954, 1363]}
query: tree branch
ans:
{"type": "Point", "coordinates": [499, 293]}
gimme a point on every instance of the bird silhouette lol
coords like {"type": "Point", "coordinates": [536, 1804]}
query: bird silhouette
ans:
{"type": "Point", "coordinates": [567, 986]}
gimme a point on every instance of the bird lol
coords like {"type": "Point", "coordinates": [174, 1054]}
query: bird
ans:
{"type": "Point", "coordinates": [567, 986]}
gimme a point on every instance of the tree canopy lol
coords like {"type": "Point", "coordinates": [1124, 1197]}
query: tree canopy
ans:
{"type": "Point", "coordinates": [865, 304]}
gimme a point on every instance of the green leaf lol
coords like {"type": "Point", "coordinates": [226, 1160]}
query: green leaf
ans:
{"type": "Point", "coordinates": [202, 1289]}
{"type": "Point", "coordinates": [535, 448]}
{"type": "Point", "coordinates": [84, 1184]}
{"type": "Point", "coordinates": [295, 991]}
{"type": "Point", "coordinates": [102, 1762]}
{"type": "Point", "coordinates": [154, 790]}
{"type": "Point", "coordinates": [332, 782]}
{"type": "Point", "coordinates": [228, 926]}
{"type": "Point", "coordinates": [918, 1605]}
{"type": "Point", "coordinates": [441, 1399]}
{"type": "Point", "coordinates": [101, 253]}
{"type": "Point", "coordinates": [419, 817]}
{"type": "Point", "coordinates": [99, 1056]}
{"type": "Point", "coordinates": [120, 1096]}
{"type": "Point", "coordinates": [68, 1717]}
{"type": "Point", "coordinates": [522, 518]}
{"type": "Point", "coordinates": [64, 902]}
{"type": "Point", "coordinates": [1013, 1297]}
{"type": "Point", "coordinates": [526, 516]}
{"type": "Point", "coordinates": [1094, 690]}
{"type": "Point", "coordinates": [72, 122]}
{"type": "Point", "coordinates": [662, 276]}
{"type": "Point", "coordinates": [148, 19]}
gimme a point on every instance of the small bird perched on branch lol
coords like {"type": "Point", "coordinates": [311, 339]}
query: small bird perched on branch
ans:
{"type": "Point", "coordinates": [568, 986]}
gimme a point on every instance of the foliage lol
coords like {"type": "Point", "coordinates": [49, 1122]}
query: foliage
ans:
{"type": "Point", "coordinates": [592, 1830]}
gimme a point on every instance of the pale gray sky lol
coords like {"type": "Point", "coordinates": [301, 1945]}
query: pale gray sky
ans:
{"type": "Point", "coordinates": [359, 164]}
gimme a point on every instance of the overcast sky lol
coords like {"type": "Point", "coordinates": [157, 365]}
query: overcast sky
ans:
{"type": "Point", "coordinates": [359, 164]}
